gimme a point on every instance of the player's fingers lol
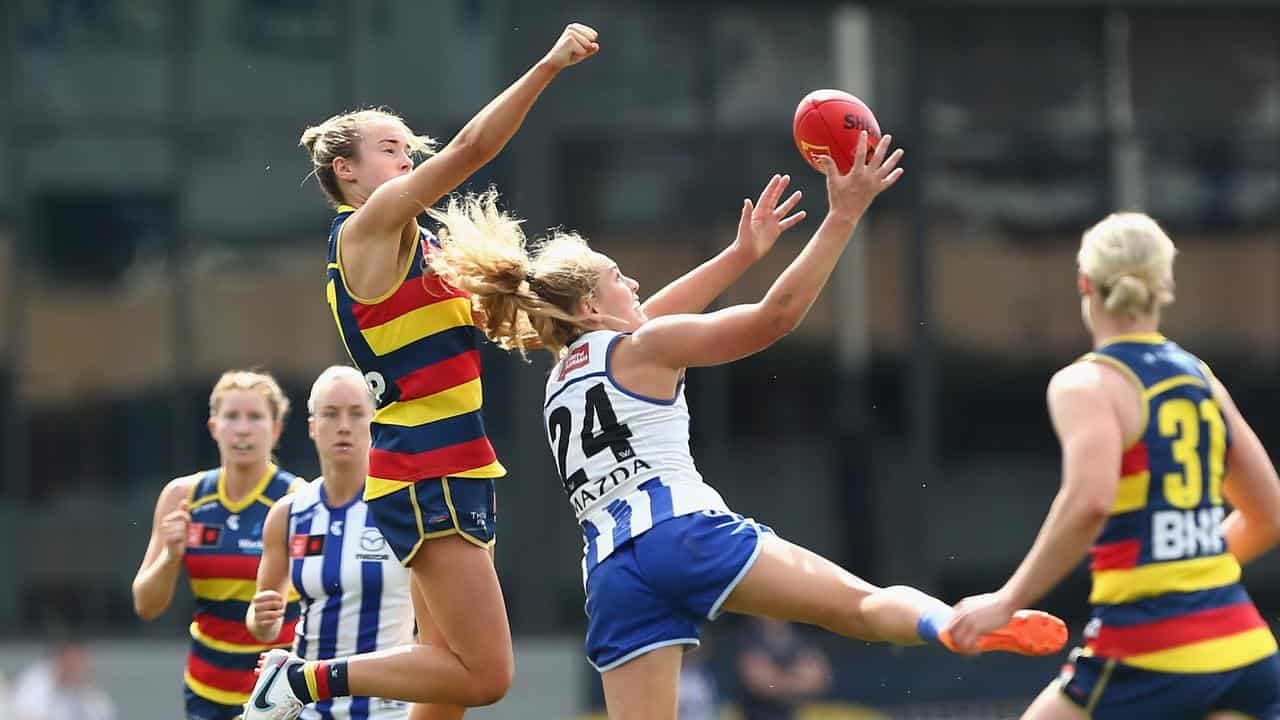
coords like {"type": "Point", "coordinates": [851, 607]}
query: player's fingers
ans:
{"type": "Point", "coordinates": [825, 165]}
{"type": "Point", "coordinates": [787, 205]}
{"type": "Point", "coordinates": [778, 188]}
{"type": "Point", "coordinates": [860, 152]}
{"type": "Point", "coordinates": [792, 221]}
{"type": "Point", "coordinates": [766, 193]}
{"type": "Point", "coordinates": [888, 165]}
{"type": "Point", "coordinates": [889, 181]}
{"type": "Point", "coordinates": [882, 149]}
{"type": "Point", "coordinates": [586, 30]}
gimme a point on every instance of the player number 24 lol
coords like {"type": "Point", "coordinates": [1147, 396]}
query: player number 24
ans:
{"type": "Point", "coordinates": [612, 435]}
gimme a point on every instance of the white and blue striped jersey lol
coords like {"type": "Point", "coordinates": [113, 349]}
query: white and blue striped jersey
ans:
{"type": "Point", "coordinates": [355, 593]}
{"type": "Point", "coordinates": [623, 458]}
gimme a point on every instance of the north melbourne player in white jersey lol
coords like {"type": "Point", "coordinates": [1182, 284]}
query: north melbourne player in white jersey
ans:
{"type": "Point", "coordinates": [663, 554]}
{"type": "Point", "coordinates": [355, 593]}
{"type": "Point", "coordinates": [623, 458]}
{"type": "Point", "coordinates": [356, 596]}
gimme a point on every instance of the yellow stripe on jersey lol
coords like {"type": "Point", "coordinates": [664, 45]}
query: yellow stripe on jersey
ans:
{"type": "Point", "coordinates": [1120, 586]}
{"type": "Point", "coordinates": [1171, 383]}
{"type": "Point", "coordinates": [222, 589]}
{"type": "Point", "coordinates": [254, 494]}
{"type": "Point", "coordinates": [1209, 656]}
{"type": "Point", "coordinates": [1131, 493]}
{"type": "Point", "coordinates": [455, 401]}
{"type": "Point", "coordinates": [227, 647]}
{"type": "Point", "coordinates": [222, 697]}
{"type": "Point", "coordinates": [492, 470]}
{"type": "Point", "coordinates": [417, 324]}
{"type": "Point", "coordinates": [212, 497]}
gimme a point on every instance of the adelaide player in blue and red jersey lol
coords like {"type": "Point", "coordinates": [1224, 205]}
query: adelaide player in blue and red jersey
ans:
{"type": "Point", "coordinates": [1153, 451]}
{"type": "Point", "coordinates": [211, 523]}
{"type": "Point", "coordinates": [430, 488]}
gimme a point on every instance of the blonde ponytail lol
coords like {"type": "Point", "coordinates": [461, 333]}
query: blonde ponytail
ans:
{"type": "Point", "coordinates": [527, 301]}
{"type": "Point", "coordinates": [1130, 259]}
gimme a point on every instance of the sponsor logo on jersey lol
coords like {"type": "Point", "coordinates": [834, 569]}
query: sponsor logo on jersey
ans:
{"type": "Point", "coordinates": [306, 545]}
{"type": "Point", "coordinates": [579, 358]}
{"type": "Point", "coordinates": [200, 535]}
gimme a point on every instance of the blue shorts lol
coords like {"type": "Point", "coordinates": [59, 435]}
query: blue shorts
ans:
{"type": "Point", "coordinates": [658, 589]}
{"type": "Point", "coordinates": [1110, 690]}
{"type": "Point", "coordinates": [435, 508]}
{"type": "Point", "coordinates": [198, 708]}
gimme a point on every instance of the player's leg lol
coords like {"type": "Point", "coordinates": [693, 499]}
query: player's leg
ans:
{"type": "Point", "coordinates": [645, 688]}
{"type": "Point", "coordinates": [791, 583]}
{"type": "Point", "coordinates": [1052, 705]}
{"type": "Point", "coordinates": [475, 666]}
{"type": "Point", "coordinates": [429, 634]}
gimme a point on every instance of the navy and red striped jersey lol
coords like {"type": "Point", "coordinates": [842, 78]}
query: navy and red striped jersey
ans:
{"type": "Point", "coordinates": [1166, 592]}
{"type": "Point", "coordinates": [224, 545]}
{"type": "Point", "coordinates": [418, 348]}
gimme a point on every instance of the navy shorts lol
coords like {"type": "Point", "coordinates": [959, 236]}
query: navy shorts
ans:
{"type": "Point", "coordinates": [1110, 690]}
{"type": "Point", "coordinates": [435, 508]}
{"type": "Point", "coordinates": [198, 708]}
{"type": "Point", "coordinates": [657, 589]}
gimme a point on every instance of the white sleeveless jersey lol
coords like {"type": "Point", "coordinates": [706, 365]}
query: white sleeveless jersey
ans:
{"type": "Point", "coordinates": [355, 593]}
{"type": "Point", "coordinates": [623, 458]}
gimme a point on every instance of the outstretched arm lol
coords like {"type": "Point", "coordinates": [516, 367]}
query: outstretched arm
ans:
{"type": "Point", "coordinates": [398, 201]}
{"type": "Point", "coordinates": [680, 341]}
{"type": "Point", "coordinates": [758, 229]}
{"type": "Point", "coordinates": [1092, 444]}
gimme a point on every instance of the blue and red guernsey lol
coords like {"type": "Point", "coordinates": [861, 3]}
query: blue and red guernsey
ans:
{"type": "Point", "coordinates": [1166, 593]}
{"type": "Point", "coordinates": [418, 348]}
{"type": "Point", "coordinates": [224, 545]}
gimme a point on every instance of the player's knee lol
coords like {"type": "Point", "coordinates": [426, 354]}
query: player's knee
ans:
{"type": "Point", "coordinates": [492, 682]}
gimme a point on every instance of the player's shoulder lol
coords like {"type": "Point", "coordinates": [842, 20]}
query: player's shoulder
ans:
{"type": "Point", "coordinates": [1081, 375]}
{"type": "Point", "coordinates": [1084, 380]}
{"type": "Point", "coordinates": [183, 485]}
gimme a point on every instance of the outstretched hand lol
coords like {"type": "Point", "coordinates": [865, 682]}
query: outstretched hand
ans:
{"type": "Point", "coordinates": [976, 616]}
{"type": "Point", "coordinates": [850, 194]}
{"type": "Point", "coordinates": [762, 223]}
{"type": "Point", "coordinates": [576, 43]}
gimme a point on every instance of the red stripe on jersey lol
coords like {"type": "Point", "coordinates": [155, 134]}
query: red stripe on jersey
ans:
{"type": "Point", "coordinates": [234, 631]}
{"type": "Point", "coordinates": [1116, 556]}
{"type": "Point", "coordinates": [1135, 460]}
{"type": "Point", "coordinates": [1121, 642]}
{"type": "Point", "coordinates": [238, 681]}
{"type": "Point", "coordinates": [220, 566]}
{"type": "Point", "coordinates": [407, 467]}
{"type": "Point", "coordinates": [440, 376]}
{"type": "Point", "coordinates": [413, 293]}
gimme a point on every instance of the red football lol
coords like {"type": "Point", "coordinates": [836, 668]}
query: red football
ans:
{"type": "Point", "coordinates": [827, 122]}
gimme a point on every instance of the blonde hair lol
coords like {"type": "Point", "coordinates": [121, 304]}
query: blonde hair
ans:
{"type": "Point", "coordinates": [525, 296]}
{"type": "Point", "coordinates": [339, 136]}
{"type": "Point", "coordinates": [259, 382]}
{"type": "Point", "coordinates": [1130, 258]}
{"type": "Point", "coordinates": [331, 375]}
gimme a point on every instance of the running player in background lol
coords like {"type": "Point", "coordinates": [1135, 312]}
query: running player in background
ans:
{"type": "Point", "coordinates": [663, 552]}
{"type": "Point", "coordinates": [430, 488]}
{"type": "Point", "coordinates": [211, 522]}
{"type": "Point", "coordinates": [355, 594]}
{"type": "Point", "coordinates": [1148, 435]}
